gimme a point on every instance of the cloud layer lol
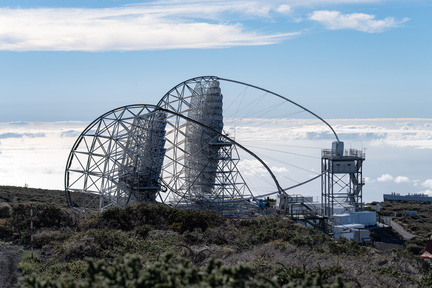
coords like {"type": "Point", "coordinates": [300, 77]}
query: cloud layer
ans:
{"type": "Point", "coordinates": [169, 25]}
{"type": "Point", "coordinates": [335, 20]}
{"type": "Point", "coordinates": [145, 27]}
{"type": "Point", "coordinates": [398, 152]}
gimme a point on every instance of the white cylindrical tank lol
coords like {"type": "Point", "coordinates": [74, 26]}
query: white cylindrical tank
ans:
{"type": "Point", "coordinates": [378, 207]}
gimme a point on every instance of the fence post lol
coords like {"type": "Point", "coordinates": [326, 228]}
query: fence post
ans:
{"type": "Point", "coordinates": [31, 229]}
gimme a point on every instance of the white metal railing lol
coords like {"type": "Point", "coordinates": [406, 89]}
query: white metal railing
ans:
{"type": "Point", "coordinates": [348, 152]}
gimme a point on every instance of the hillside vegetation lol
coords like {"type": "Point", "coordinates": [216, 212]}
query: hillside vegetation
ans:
{"type": "Point", "coordinates": [419, 224]}
{"type": "Point", "coordinates": [157, 246]}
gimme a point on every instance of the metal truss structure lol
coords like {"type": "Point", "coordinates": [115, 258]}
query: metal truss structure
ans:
{"type": "Point", "coordinates": [117, 159]}
{"type": "Point", "coordinates": [205, 168]}
{"type": "Point", "coordinates": [140, 153]}
{"type": "Point", "coordinates": [342, 179]}
{"type": "Point", "coordinates": [175, 152]}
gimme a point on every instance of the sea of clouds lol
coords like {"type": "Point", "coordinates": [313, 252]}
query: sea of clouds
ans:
{"type": "Point", "coordinates": [398, 152]}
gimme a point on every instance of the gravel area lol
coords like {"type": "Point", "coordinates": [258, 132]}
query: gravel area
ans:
{"type": "Point", "coordinates": [9, 258]}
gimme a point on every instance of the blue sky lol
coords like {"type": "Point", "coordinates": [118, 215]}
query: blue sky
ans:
{"type": "Point", "coordinates": [75, 60]}
{"type": "Point", "coordinates": [342, 59]}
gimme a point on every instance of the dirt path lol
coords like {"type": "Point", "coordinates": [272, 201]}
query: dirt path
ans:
{"type": "Point", "coordinates": [401, 230]}
{"type": "Point", "coordinates": [9, 258]}
{"type": "Point", "coordinates": [398, 228]}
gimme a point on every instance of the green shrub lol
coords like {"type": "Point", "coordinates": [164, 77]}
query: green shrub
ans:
{"type": "Point", "coordinates": [141, 232]}
{"type": "Point", "coordinates": [89, 220]}
{"type": "Point", "coordinates": [160, 241]}
{"type": "Point", "coordinates": [189, 220]}
{"type": "Point", "coordinates": [140, 214]}
{"type": "Point", "coordinates": [416, 245]}
{"type": "Point", "coordinates": [343, 246]}
{"type": "Point", "coordinates": [220, 235]}
{"type": "Point", "coordinates": [97, 243]}
{"type": "Point", "coordinates": [288, 274]}
{"type": "Point", "coordinates": [269, 228]}
{"type": "Point", "coordinates": [389, 271]}
{"type": "Point", "coordinates": [132, 271]}
{"type": "Point", "coordinates": [5, 210]}
{"type": "Point", "coordinates": [77, 269]}
{"type": "Point", "coordinates": [44, 216]}
{"type": "Point", "coordinates": [6, 231]}
{"type": "Point", "coordinates": [414, 248]}
{"type": "Point", "coordinates": [426, 281]}
{"type": "Point", "coordinates": [49, 236]}
{"type": "Point", "coordinates": [157, 216]}
{"type": "Point", "coordinates": [29, 262]}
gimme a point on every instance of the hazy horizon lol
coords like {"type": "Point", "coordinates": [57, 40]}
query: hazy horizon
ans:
{"type": "Point", "coordinates": [398, 152]}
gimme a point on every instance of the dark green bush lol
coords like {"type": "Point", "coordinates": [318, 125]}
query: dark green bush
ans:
{"type": "Point", "coordinates": [414, 248]}
{"type": "Point", "coordinates": [389, 271]}
{"type": "Point", "coordinates": [375, 236]}
{"type": "Point", "coordinates": [150, 230]}
{"type": "Point", "coordinates": [286, 275]}
{"type": "Point", "coordinates": [189, 220]}
{"type": "Point", "coordinates": [77, 269]}
{"type": "Point", "coordinates": [97, 243]}
{"type": "Point", "coordinates": [141, 232]}
{"type": "Point", "coordinates": [132, 271]}
{"type": "Point", "coordinates": [6, 231]}
{"type": "Point", "coordinates": [343, 246]}
{"type": "Point", "coordinates": [426, 282]}
{"type": "Point", "coordinates": [5, 210]}
{"type": "Point", "coordinates": [157, 216]}
{"type": "Point", "coordinates": [269, 228]}
{"type": "Point", "coordinates": [44, 216]}
{"type": "Point", "coordinates": [49, 236]}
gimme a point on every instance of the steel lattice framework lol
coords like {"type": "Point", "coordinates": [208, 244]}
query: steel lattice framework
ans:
{"type": "Point", "coordinates": [116, 159]}
{"type": "Point", "coordinates": [130, 155]}
{"type": "Point", "coordinates": [175, 152]}
{"type": "Point", "coordinates": [342, 179]}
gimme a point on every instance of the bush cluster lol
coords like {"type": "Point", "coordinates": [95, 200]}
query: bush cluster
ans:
{"type": "Point", "coordinates": [96, 243]}
{"type": "Point", "coordinates": [157, 216]}
{"type": "Point", "coordinates": [45, 216]}
{"type": "Point", "coordinates": [132, 271]}
{"type": "Point", "coordinates": [307, 257]}
{"type": "Point", "coordinates": [5, 210]}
